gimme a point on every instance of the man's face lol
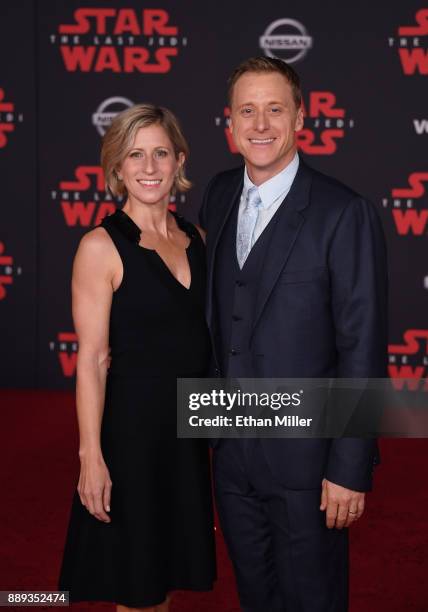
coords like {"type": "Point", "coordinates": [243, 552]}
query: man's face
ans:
{"type": "Point", "coordinates": [264, 121]}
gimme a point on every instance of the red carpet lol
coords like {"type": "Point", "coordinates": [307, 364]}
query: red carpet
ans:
{"type": "Point", "coordinates": [38, 471]}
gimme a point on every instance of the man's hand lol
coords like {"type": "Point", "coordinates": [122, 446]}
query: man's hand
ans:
{"type": "Point", "coordinates": [343, 506]}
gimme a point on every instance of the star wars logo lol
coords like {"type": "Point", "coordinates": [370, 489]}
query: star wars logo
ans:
{"type": "Point", "coordinates": [66, 348]}
{"type": "Point", "coordinates": [120, 40]}
{"type": "Point", "coordinates": [8, 119]}
{"type": "Point", "coordinates": [412, 45]}
{"type": "Point", "coordinates": [409, 206]}
{"type": "Point", "coordinates": [421, 126]}
{"type": "Point", "coordinates": [84, 201]}
{"type": "Point", "coordinates": [7, 271]}
{"type": "Point", "coordinates": [408, 362]}
{"type": "Point", "coordinates": [325, 125]}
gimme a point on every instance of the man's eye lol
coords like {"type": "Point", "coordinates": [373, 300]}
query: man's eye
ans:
{"type": "Point", "coordinates": [247, 111]}
{"type": "Point", "coordinates": [275, 110]}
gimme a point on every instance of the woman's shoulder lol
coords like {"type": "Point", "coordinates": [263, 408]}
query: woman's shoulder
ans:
{"type": "Point", "coordinates": [96, 257]}
{"type": "Point", "coordinates": [120, 224]}
{"type": "Point", "coordinates": [191, 229]}
{"type": "Point", "coordinates": [96, 244]}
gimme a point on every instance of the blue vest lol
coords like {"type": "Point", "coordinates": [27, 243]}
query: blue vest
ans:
{"type": "Point", "coordinates": [235, 293]}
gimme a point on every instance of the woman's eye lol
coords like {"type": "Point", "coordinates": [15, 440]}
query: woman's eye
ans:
{"type": "Point", "coordinates": [136, 154]}
{"type": "Point", "coordinates": [161, 153]}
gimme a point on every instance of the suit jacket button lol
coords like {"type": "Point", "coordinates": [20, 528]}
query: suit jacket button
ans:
{"type": "Point", "coordinates": [234, 352]}
{"type": "Point", "coordinates": [236, 318]}
{"type": "Point", "coordinates": [240, 283]}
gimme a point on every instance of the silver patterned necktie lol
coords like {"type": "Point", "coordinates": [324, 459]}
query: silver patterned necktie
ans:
{"type": "Point", "coordinates": [246, 225]}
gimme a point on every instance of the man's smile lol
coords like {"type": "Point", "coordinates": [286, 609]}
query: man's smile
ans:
{"type": "Point", "coordinates": [261, 141]}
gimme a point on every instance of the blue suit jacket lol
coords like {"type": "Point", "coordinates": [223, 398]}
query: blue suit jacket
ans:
{"type": "Point", "coordinates": [321, 309]}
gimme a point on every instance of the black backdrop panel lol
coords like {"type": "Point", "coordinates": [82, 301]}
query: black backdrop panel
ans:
{"type": "Point", "coordinates": [364, 70]}
{"type": "Point", "coordinates": [18, 221]}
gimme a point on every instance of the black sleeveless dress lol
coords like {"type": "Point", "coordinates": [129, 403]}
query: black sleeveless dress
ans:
{"type": "Point", "coordinates": [161, 535]}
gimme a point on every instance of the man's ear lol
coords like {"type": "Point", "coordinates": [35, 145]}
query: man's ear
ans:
{"type": "Point", "coordinates": [299, 120]}
{"type": "Point", "coordinates": [230, 124]}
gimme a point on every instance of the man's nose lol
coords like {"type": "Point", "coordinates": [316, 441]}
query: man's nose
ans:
{"type": "Point", "coordinates": [261, 122]}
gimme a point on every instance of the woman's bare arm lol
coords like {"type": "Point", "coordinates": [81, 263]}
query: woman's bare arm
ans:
{"type": "Point", "coordinates": [95, 265]}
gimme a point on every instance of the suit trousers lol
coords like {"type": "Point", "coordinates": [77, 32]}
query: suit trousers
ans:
{"type": "Point", "coordinates": [284, 556]}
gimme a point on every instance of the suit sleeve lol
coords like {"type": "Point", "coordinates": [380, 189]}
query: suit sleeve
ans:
{"type": "Point", "coordinates": [359, 287]}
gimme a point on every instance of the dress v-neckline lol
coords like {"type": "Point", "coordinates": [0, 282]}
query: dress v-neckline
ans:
{"type": "Point", "coordinates": [167, 268]}
{"type": "Point", "coordinates": [137, 237]}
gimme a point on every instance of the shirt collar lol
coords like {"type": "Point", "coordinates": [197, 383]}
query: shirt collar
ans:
{"type": "Point", "coordinates": [276, 186]}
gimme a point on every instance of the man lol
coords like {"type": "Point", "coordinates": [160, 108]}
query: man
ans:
{"type": "Point", "coordinates": [296, 288]}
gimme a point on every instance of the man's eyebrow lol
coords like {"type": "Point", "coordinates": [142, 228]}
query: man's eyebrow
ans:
{"type": "Point", "coordinates": [255, 103]}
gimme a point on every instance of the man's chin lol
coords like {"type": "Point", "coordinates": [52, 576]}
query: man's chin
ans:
{"type": "Point", "coordinates": [263, 165]}
{"type": "Point", "coordinates": [260, 163]}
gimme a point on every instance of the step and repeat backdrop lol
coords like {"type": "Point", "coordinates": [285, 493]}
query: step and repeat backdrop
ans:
{"type": "Point", "coordinates": [67, 67]}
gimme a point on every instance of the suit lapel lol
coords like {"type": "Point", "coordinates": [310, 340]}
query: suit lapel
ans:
{"type": "Point", "coordinates": [225, 204]}
{"type": "Point", "coordinates": [284, 235]}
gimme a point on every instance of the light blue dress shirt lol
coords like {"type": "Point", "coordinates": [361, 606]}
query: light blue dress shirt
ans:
{"type": "Point", "coordinates": [272, 193]}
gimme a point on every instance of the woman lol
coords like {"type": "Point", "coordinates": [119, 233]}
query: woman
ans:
{"type": "Point", "coordinates": [141, 524]}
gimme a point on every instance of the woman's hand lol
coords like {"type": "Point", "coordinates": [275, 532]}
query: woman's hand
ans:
{"type": "Point", "coordinates": [94, 487]}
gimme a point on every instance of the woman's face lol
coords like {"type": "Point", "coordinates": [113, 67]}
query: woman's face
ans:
{"type": "Point", "coordinates": [150, 167]}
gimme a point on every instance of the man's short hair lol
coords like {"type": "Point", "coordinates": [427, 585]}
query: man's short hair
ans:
{"type": "Point", "coordinates": [262, 64]}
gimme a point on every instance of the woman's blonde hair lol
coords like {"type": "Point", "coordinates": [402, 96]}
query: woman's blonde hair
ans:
{"type": "Point", "coordinates": [120, 137]}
